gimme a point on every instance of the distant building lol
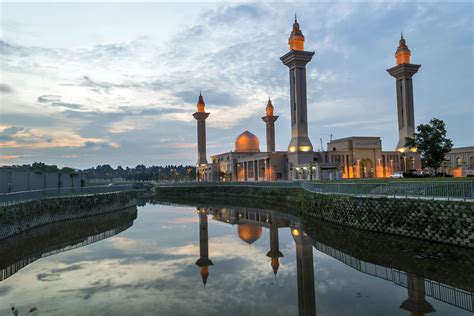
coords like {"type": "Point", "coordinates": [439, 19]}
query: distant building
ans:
{"type": "Point", "coordinates": [350, 157]}
{"type": "Point", "coordinates": [460, 162]}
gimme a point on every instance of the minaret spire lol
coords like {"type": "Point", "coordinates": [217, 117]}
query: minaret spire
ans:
{"type": "Point", "coordinates": [403, 73]}
{"type": "Point", "coordinates": [270, 119]}
{"type": "Point", "coordinates": [201, 115]}
{"type": "Point", "coordinates": [300, 149]}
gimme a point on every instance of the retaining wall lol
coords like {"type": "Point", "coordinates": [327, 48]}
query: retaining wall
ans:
{"type": "Point", "coordinates": [450, 222]}
{"type": "Point", "coordinates": [18, 218]}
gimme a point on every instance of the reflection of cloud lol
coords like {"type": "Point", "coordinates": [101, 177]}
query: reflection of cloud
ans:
{"type": "Point", "coordinates": [4, 290]}
{"type": "Point", "coordinates": [55, 274]}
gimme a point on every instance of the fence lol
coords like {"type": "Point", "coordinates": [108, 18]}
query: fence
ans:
{"type": "Point", "coordinates": [446, 190]}
{"type": "Point", "coordinates": [24, 196]}
{"type": "Point", "coordinates": [439, 291]}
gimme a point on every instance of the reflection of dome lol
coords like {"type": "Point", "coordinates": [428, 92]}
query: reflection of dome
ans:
{"type": "Point", "coordinates": [247, 142]}
{"type": "Point", "coordinates": [249, 232]}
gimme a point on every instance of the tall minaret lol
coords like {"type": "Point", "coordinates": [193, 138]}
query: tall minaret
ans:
{"type": "Point", "coordinates": [270, 119]}
{"type": "Point", "coordinates": [274, 252]}
{"type": "Point", "coordinates": [203, 262]}
{"type": "Point", "coordinates": [201, 117]}
{"type": "Point", "coordinates": [304, 272]}
{"type": "Point", "coordinates": [403, 72]}
{"type": "Point", "coordinates": [300, 147]}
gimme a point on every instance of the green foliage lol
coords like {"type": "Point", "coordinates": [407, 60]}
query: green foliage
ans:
{"type": "Point", "coordinates": [431, 142]}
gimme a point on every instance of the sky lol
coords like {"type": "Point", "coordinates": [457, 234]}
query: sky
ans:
{"type": "Point", "coordinates": [86, 83]}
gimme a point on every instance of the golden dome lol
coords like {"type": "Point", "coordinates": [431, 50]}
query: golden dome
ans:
{"type": "Point", "coordinates": [247, 142]}
{"type": "Point", "coordinates": [249, 232]}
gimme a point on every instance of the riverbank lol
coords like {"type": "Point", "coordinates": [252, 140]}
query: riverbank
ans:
{"type": "Point", "coordinates": [18, 218]}
{"type": "Point", "coordinates": [449, 222]}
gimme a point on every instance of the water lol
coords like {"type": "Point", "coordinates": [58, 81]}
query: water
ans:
{"type": "Point", "coordinates": [251, 263]}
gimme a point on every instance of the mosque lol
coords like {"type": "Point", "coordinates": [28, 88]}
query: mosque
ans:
{"type": "Point", "coordinates": [351, 157]}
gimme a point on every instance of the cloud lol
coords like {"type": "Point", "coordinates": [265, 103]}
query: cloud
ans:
{"type": "Point", "coordinates": [133, 90]}
{"type": "Point", "coordinates": [99, 145]}
{"type": "Point", "coordinates": [4, 88]}
{"type": "Point", "coordinates": [55, 100]}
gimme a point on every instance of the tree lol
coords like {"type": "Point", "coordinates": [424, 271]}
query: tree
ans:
{"type": "Point", "coordinates": [431, 142]}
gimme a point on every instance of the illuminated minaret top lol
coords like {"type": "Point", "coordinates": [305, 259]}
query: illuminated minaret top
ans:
{"type": "Point", "coordinates": [201, 105]}
{"type": "Point", "coordinates": [296, 40]}
{"type": "Point", "coordinates": [403, 54]}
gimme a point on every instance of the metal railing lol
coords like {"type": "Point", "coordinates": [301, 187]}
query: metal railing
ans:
{"type": "Point", "coordinates": [25, 196]}
{"type": "Point", "coordinates": [443, 190]}
{"type": "Point", "coordinates": [439, 291]}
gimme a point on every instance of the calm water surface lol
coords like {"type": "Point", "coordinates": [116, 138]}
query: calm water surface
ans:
{"type": "Point", "coordinates": [175, 260]}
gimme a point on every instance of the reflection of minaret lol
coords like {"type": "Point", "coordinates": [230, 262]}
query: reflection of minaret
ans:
{"type": "Point", "coordinates": [201, 117]}
{"type": "Point", "coordinates": [305, 273]}
{"type": "Point", "coordinates": [403, 72]}
{"type": "Point", "coordinates": [300, 147]}
{"type": "Point", "coordinates": [270, 119]}
{"type": "Point", "coordinates": [203, 262]}
{"type": "Point", "coordinates": [274, 252]}
{"type": "Point", "coordinates": [416, 303]}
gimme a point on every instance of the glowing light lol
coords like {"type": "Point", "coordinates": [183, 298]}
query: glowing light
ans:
{"type": "Point", "coordinates": [295, 232]}
{"type": "Point", "coordinates": [456, 172]}
{"type": "Point", "coordinates": [292, 149]}
{"type": "Point", "coordinates": [305, 148]}
{"type": "Point", "coordinates": [403, 57]}
{"type": "Point", "coordinates": [413, 149]}
{"type": "Point", "coordinates": [402, 150]}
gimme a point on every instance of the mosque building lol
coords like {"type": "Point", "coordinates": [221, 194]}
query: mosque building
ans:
{"type": "Point", "coordinates": [351, 157]}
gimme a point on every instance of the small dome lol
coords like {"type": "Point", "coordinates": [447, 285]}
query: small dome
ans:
{"type": "Point", "coordinates": [247, 142]}
{"type": "Point", "coordinates": [249, 232]}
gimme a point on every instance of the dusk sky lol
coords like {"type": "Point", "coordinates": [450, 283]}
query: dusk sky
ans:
{"type": "Point", "coordinates": [93, 83]}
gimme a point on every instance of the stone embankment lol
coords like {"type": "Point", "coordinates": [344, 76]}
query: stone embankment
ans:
{"type": "Point", "coordinates": [18, 218]}
{"type": "Point", "coordinates": [449, 222]}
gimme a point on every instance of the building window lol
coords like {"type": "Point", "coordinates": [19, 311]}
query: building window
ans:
{"type": "Point", "coordinates": [458, 162]}
{"type": "Point", "coordinates": [471, 162]}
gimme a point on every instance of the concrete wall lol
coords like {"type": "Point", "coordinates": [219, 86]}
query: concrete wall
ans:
{"type": "Point", "coordinates": [36, 181]}
{"type": "Point", "coordinates": [4, 180]}
{"type": "Point", "coordinates": [15, 181]}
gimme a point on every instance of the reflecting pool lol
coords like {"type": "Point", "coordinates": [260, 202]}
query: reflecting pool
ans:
{"type": "Point", "coordinates": [183, 260]}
